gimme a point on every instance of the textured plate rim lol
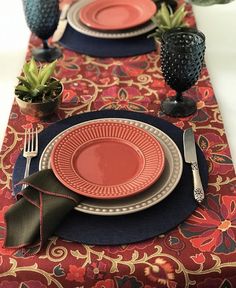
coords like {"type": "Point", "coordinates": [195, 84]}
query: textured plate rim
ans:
{"type": "Point", "coordinates": [75, 139]}
{"type": "Point", "coordinates": [95, 208]}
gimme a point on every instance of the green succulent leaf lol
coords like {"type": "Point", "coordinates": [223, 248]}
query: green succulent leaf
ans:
{"type": "Point", "coordinates": [33, 78]}
{"type": "Point", "coordinates": [24, 82]}
{"type": "Point", "coordinates": [166, 19]}
{"type": "Point", "coordinates": [26, 68]}
{"type": "Point", "coordinates": [48, 72]}
{"type": "Point", "coordinates": [165, 14]}
{"type": "Point", "coordinates": [36, 83]}
{"type": "Point", "coordinates": [42, 72]}
{"type": "Point", "coordinates": [178, 16]}
{"type": "Point", "coordinates": [33, 67]}
{"type": "Point", "coordinates": [22, 88]}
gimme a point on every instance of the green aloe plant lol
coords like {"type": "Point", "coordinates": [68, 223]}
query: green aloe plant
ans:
{"type": "Point", "coordinates": [166, 19]}
{"type": "Point", "coordinates": [36, 83]}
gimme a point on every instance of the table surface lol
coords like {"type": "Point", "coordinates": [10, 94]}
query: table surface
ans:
{"type": "Point", "coordinates": [216, 22]}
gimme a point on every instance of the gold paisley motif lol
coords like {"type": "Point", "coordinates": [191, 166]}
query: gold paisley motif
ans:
{"type": "Point", "coordinates": [14, 270]}
{"type": "Point", "coordinates": [55, 253]}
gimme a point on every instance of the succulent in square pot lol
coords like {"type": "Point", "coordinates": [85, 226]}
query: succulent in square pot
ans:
{"type": "Point", "coordinates": [38, 93]}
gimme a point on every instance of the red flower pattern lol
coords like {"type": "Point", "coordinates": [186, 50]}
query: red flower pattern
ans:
{"type": "Point", "coordinates": [96, 270]}
{"type": "Point", "coordinates": [162, 272]}
{"type": "Point", "coordinates": [31, 119]}
{"type": "Point", "coordinates": [69, 96]}
{"type": "Point", "coordinates": [213, 230]}
{"type": "Point", "coordinates": [198, 258]}
{"type": "Point", "coordinates": [76, 273]}
{"type": "Point", "coordinates": [206, 93]}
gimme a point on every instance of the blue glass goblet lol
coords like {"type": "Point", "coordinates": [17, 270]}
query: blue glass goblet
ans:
{"type": "Point", "coordinates": [182, 56]}
{"type": "Point", "coordinates": [42, 18]}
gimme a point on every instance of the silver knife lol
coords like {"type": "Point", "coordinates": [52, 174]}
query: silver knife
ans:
{"type": "Point", "coordinates": [62, 24]}
{"type": "Point", "coordinates": [190, 156]}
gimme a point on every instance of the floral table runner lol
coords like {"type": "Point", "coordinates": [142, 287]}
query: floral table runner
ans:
{"type": "Point", "coordinates": [198, 253]}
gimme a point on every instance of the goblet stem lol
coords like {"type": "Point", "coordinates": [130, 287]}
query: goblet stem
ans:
{"type": "Point", "coordinates": [178, 106]}
{"type": "Point", "coordinates": [45, 44]}
{"type": "Point", "coordinates": [179, 97]}
{"type": "Point", "coordinates": [46, 53]}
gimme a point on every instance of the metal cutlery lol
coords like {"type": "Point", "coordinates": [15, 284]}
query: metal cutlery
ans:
{"type": "Point", "coordinates": [190, 156]}
{"type": "Point", "coordinates": [62, 24]}
{"type": "Point", "coordinates": [30, 149]}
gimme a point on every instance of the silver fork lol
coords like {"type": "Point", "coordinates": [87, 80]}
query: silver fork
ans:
{"type": "Point", "coordinates": [30, 149]}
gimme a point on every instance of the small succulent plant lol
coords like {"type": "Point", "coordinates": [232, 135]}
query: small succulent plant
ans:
{"type": "Point", "coordinates": [36, 83]}
{"type": "Point", "coordinates": [166, 19]}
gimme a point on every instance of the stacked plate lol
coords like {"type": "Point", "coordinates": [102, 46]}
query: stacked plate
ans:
{"type": "Point", "coordinates": [112, 19]}
{"type": "Point", "coordinates": [121, 165]}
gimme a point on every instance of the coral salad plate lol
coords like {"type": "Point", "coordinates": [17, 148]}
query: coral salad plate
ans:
{"type": "Point", "coordinates": [107, 160]}
{"type": "Point", "coordinates": [116, 14]}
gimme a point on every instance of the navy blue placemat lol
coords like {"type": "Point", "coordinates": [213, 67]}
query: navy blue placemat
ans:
{"type": "Point", "coordinates": [98, 47]}
{"type": "Point", "coordinates": [114, 230]}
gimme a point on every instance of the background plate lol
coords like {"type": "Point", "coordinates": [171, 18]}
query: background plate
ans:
{"type": "Point", "coordinates": [116, 14]}
{"type": "Point", "coordinates": [153, 195]}
{"type": "Point", "coordinates": [74, 22]}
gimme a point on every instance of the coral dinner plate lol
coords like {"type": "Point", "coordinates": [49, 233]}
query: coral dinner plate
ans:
{"type": "Point", "coordinates": [116, 14]}
{"type": "Point", "coordinates": [107, 160]}
{"type": "Point", "coordinates": [74, 21]}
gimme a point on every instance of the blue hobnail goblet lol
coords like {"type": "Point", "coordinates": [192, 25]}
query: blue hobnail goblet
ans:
{"type": "Point", "coordinates": [182, 57]}
{"type": "Point", "coordinates": [42, 18]}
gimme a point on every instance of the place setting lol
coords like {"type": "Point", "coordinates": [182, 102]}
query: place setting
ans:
{"type": "Point", "coordinates": [112, 19]}
{"type": "Point", "coordinates": [116, 28]}
{"type": "Point", "coordinates": [100, 28]}
{"type": "Point", "coordinates": [107, 178]}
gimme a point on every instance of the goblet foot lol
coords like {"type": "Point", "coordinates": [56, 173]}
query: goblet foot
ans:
{"type": "Point", "coordinates": [174, 108]}
{"type": "Point", "coordinates": [46, 55]}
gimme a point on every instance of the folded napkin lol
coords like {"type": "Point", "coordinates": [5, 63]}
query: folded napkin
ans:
{"type": "Point", "coordinates": [35, 216]}
{"type": "Point", "coordinates": [98, 47]}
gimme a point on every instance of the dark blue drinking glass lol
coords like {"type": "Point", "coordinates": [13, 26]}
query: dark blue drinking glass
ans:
{"type": "Point", "coordinates": [42, 18]}
{"type": "Point", "coordinates": [182, 57]}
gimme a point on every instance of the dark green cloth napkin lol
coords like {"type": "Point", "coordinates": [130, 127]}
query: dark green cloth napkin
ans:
{"type": "Point", "coordinates": [36, 215]}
